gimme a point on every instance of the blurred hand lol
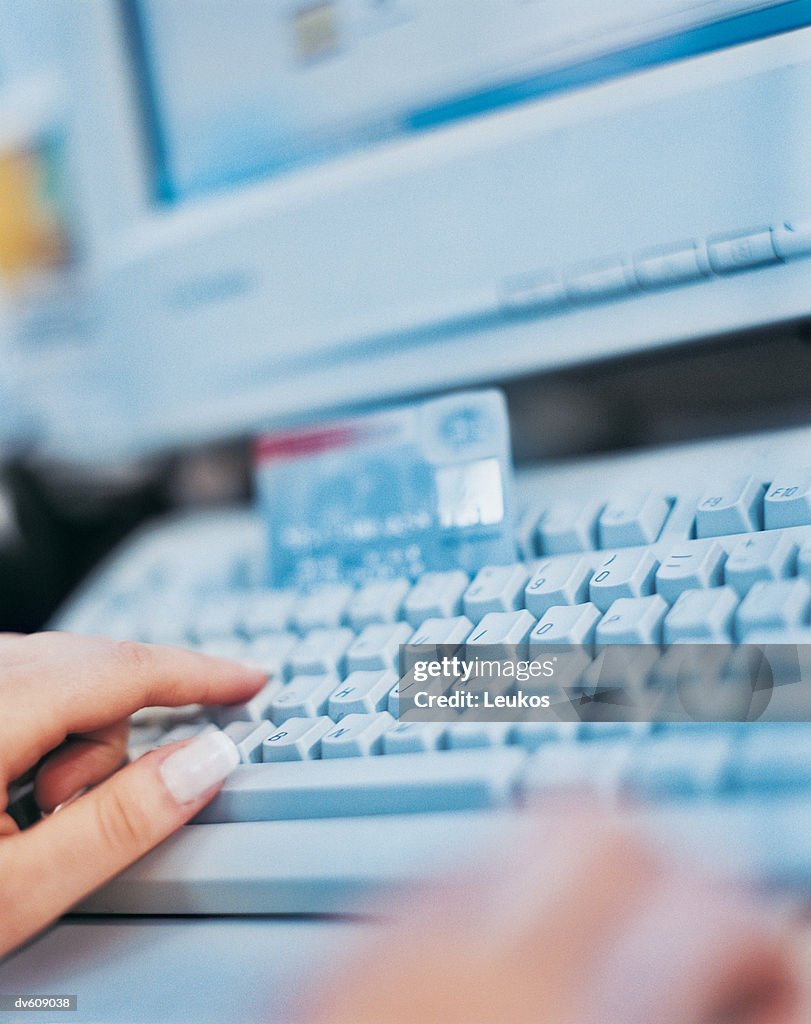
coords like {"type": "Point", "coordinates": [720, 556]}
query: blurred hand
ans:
{"type": "Point", "coordinates": [64, 703]}
{"type": "Point", "coordinates": [579, 922]}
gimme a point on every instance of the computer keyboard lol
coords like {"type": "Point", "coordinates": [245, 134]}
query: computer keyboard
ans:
{"type": "Point", "coordinates": [337, 800]}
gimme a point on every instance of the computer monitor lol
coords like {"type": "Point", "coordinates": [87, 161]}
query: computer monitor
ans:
{"type": "Point", "coordinates": [292, 209]}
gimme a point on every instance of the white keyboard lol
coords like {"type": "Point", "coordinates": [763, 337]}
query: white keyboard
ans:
{"type": "Point", "coordinates": [336, 800]}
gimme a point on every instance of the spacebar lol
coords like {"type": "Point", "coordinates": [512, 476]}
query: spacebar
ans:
{"type": "Point", "coordinates": [348, 787]}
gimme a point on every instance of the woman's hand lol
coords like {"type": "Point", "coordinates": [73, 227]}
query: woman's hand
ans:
{"type": "Point", "coordinates": [576, 921]}
{"type": "Point", "coordinates": [64, 704]}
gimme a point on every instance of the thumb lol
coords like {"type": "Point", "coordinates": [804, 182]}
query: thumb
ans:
{"type": "Point", "coordinates": [49, 867]}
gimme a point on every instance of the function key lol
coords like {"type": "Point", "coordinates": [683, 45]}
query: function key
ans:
{"type": "Point", "coordinates": [736, 508]}
{"type": "Point", "coordinates": [788, 501]}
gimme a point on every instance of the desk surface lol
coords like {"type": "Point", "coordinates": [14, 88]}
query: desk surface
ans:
{"type": "Point", "coordinates": [163, 970]}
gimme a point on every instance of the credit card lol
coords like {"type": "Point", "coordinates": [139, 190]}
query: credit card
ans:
{"type": "Point", "coordinates": [421, 487]}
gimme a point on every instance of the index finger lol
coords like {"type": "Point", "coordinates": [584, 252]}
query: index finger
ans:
{"type": "Point", "coordinates": [54, 684]}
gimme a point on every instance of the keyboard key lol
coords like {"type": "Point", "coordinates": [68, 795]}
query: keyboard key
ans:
{"type": "Point", "coordinates": [567, 625]}
{"type": "Point", "coordinates": [393, 704]}
{"type": "Point", "coordinates": [185, 731]}
{"type": "Point", "coordinates": [257, 709]}
{"type": "Point", "coordinates": [571, 665]}
{"type": "Point", "coordinates": [249, 737]}
{"type": "Point", "coordinates": [506, 631]}
{"type": "Point", "coordinates": [788, 502]}
{"type": "Point", "coordinates": [532, 735]}
{"type": "Point", "coordinates": [781, 604]}
{"type": "Point", "coordinates": [361, 693]}
{"type": "Point", "coordinates": [270, 650]}
{"type": "Point", "coordinates": [267, 611]}
{"type": "Point", "coordinates": [297, 739]}
{"type": "Point", "coordinates": [217, 617]}
{"type": "Point", "coordinates": [303, 697]}
{"type": "Point", "coordinates": [413, 737]}
{"type": "Point", "coordinates": [622, 574]}
{"type": "Point", "coordinates": [378, 647]}
{"type": "Point", "coordinates": [762, 556]}
{"type": "Point", "coordinates": [467, 735]}
{"type": "Point", "coordinates": [377, 602]}
{"type": "Point", "coordinates": [562, 581]}
{"type": "Point", "coordinates": [357, 736]}
{"type": "Point", "coordinates": [693, 764]}
{"type": "Point", "coordinates": [568, 527]}
{"type": "Point", "coordinates": [632, 521]}
{"type": "Point", "coordinates": [436, 595]}
{"type": "Point", "coordinates": [702, 616]}
{"type": "Point", "coordinates": [599, 731]}
{"type": "Point", "coordinates": [804, 562]}
{"type": "Point", "coordinates": [433, 633]}
{"type": "Point", "coordinates": [554, 768]}
{"type": "Point", "coordinates": [323, 607]}
{"type": "Point", "coordinates": [619, 667]}
{"type": "Point", "coordinates": [633, 620]}
{"type": "Point", "coordinates": [496, 588]}
{"type": "Point", "coordinates": [449, 780]}
{"type": "Point", "coordinates": [689, 664]}
{"type": "Point", "coordinates": [737, 508]}
{"type": "Point", "coordinates": [693, 565]}
{"type": "Point", "coordinates": [321, 651]}
{"type": "Point", "coordinates": [773, 757]}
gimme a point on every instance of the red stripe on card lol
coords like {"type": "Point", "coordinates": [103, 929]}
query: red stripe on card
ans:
{"type": "Point", "coordinates": [308, 442]}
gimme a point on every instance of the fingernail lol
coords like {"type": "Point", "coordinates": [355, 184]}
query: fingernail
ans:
{"type": "Point", "coordinates": [70, 799]}
{"type": "Point", "coordinates": [254, 666]}
{"type": "Point", "coordinates": [194, 769]}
